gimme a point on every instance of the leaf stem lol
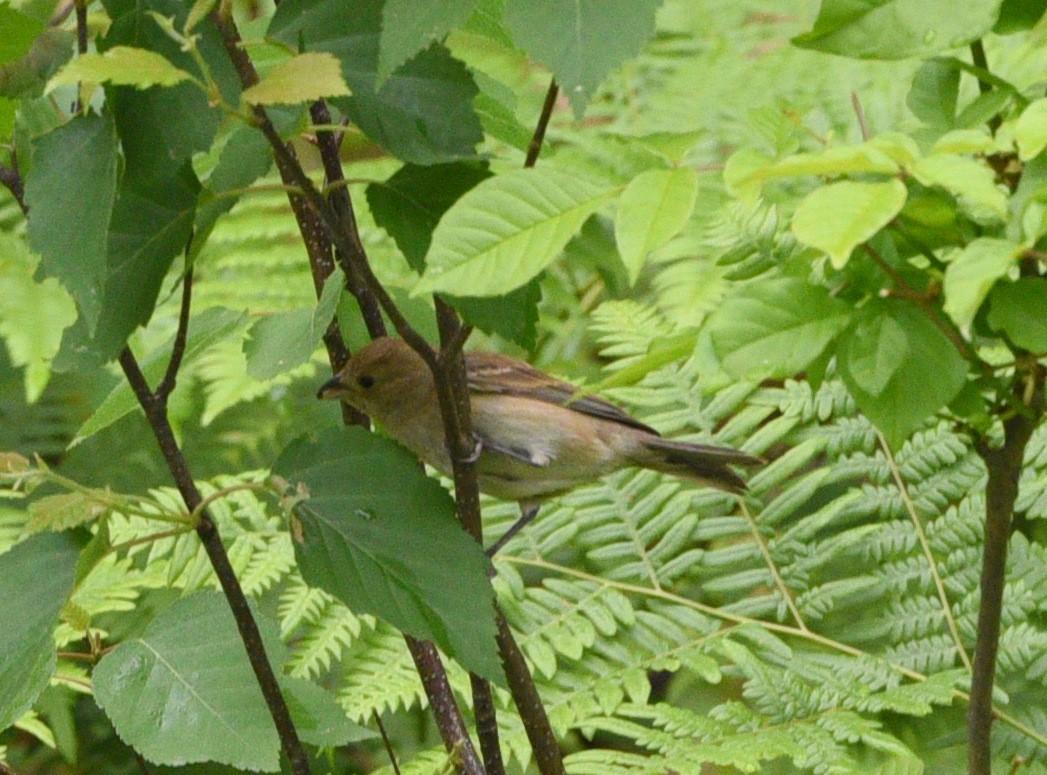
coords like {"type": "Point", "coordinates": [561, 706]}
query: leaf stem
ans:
{"type": "Point", "coordinates": [388, 743]}
{"type": "Point", "coordinates": [779, 582]}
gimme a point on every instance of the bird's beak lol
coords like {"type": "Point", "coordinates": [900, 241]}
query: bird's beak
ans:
{"type": "Point", "coordinates": [333, 388]}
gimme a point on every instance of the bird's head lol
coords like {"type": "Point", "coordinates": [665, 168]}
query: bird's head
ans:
{"type": "Point", "coordinates": [384, 374]}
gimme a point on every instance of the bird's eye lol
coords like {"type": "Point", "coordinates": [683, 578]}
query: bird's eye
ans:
{"type": "Point", "coordinates": [365, 381]}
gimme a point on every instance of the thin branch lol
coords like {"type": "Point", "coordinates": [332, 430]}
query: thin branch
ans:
{"type": "Point", "coordinates": [535, 146]}
{"type": "Point", "coordinates": [156, 413]}
{"type": "Point", "coordinates": [12, 181]}
{"type": "Point", "coordinates": [167, 384]}
{"type": "Point", "coordinates": [149, 539]}
{"type": "Point", "coordinates": [925, 545]}
{"type": "Point", "coordinates": [980, 61]}
{"type": "Point", "coordinates": [143, 765]}
{"type": "Point", "coordinates": [779, 582]}
{"type": "Point", "coordinates": [859, 113]}
{"type": "Point", "coordinates": [388, 743]}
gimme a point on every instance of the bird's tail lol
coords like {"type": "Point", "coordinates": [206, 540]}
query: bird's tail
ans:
{"type": "Point", "coordinates": [700, 462]}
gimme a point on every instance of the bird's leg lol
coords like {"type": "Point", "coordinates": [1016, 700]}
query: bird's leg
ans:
{"type": "Point", "coordinates": [527, 513]}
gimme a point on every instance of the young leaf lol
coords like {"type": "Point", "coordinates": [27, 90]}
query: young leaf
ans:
{"type": "Point", "coordinates": [70, 191]}
{"type": "Point", "coordinates": [1017, 309]}
{"type": "Point", "coordinates": [775, 328]}
{"type": "Point", "coordinates": [183, 691]}
{"type": "Point", "coordinates": [302, 78]}
{"type": "Point", "coordinates": [382, 537]}
{"type": "Point", "coordinates": [123, 66]}
{"type": "Point", "coordinates": [409, 26]}
{"type": "Point", "coordinates": [581, 41]}
{"type": "Point", "coordinates": [1030, 130]}
{"type": "Point", "coordinates": [506, 230]}
{"type": "Point", "coordinates": [971, 274]}
{"type": "Point", "coordinates": [899, 366]}
{"type": "Point", "coordinates": [896, 29]}
{"type": "Point", "coordinates": [839, 217]}
{"type": "Point", "coordinates": [971, 181]}
{"type": "Point", "coordinates": [35, 579]}
{"type": "Point", "coordinates": [653, 208]}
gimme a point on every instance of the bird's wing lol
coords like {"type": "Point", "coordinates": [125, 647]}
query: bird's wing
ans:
{"type": "Point", "coordinates": [495, 373]}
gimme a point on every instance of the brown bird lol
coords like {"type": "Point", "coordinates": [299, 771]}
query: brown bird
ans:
{"type": "Point", "coordinates": [537, 436]}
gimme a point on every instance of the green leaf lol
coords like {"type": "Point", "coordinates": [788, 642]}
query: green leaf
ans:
{"type": "Point", "coordinates": [775, 328]}
{"type": "Point", "coordinates": [423, 113]}
{"type": "Point", "coordinates": [409, 27]}
{"type": "Point", "coordinates": [410, 203]}
{"type": "Point", "coordinates": [285, 340]}
{"type": "Point", "coordinates": [653, 209]}
{"type": "Point", "coordinates": [506, 230]}
{"type": "Point", "coordinates": [318, 717]}
{"type": "Point", "coordinates": [19, 33]}
{"type": "Point", "coordinates": [120, 65]}
{"type": "Point", "coordinates": [935, 90]}
{"type": "Point", "coordinates": [899, 367]}
{"type": "Point", "coordinates": [70, 191]}
{"type": "Point", "coordinates": [1019, 15]}
{"type": "Point", "coordinates": [1017, 309]}
{"type": "Point", "coordinates": [36, 577]}
{"type": "Point", "coordinates": [844, 160]}
{"type": "Point", "coordinates": [382, 537]}
{"type": "Point", "coordinates": [205, 329]}
{"type": "Point", "coordinates": [302, 78]}
{"type": "Point", "coordinates": [183, 691]}
{"type": "Point", "coordinates": [581, 41]}
{"type": "Point", "coordinates": [28, 75]}
{"type": "Point", "coordinates": [513, 316]}
{"type": "Point", "coordinates": [896, 29]}
{"type": "Point", "coordinates": [972, 182]}
{"type": "Point", "coordinates": [839, 217]}
{"type": "Point", "coordinates": [1030, 130]}
{"type": "Point", "coordinates": [972, 273]}
{"type": "Point", "coordinates": [32, 314]}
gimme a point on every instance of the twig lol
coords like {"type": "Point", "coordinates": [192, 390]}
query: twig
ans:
{"type": "Point", "coordinates": [535, 146]}
{"type": "Point", "coordinates": [1004, 466]}
{"type": "Point", "coordinates": [143, 765]}
{"type": "Point", "coordinates": [167, 384]}
{"type": "Point", "coordinates": [80, 7]}
{"type": "Point", "coordinates": [859, 113]}
{"type": "Point", "coordinates": [148, 539]}
{"type": "Point", "coordinates": [925, 545]}
{"type": "Point", "coordinates": [980, 61]}
{"type": "Point", "coordinates": [385, 739]}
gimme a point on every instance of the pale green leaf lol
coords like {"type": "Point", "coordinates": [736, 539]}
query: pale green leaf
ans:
{"type": "Point", "coordinates": [972, 181]}
{"type": "Point", "coordinates": [845, 160]}
{"type": "Point", "coordinates": [971, 274]}
{"type": "Point", "coordinates": [653, 208]}
{"type": "Point", "coordinates": [302, 78]}
{"type": "Point", "coordinates": [121, 66]}
{"type": "Point", "coordinates": [506, 230]}
{"type": "Point", "coordinates": [1030, 130]}
{"type": "Point", "coordinates": [839, 217]}
{"type": "Point", "coordinates": [968, 141]}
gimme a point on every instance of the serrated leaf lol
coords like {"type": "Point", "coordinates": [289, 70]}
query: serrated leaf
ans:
{"type": "Point", "coordinates": [581, 41]}
{"type": "Point", "coordinates": [653, 209]}
{"type": "Point", "coordinates": [70, 191]}
{"type": "Point", "coordinates": [62, 511]}
{"type": "Point", "coordinates": [183, 691]}
{"type": "Point", "coordinates": [1017, 309]}
{"type": "Point", "coordinates": [302, 78]}
{"type": "Point", "coordinates": [506, 230]}
{"type": "Point", "coordinates": [839, 217]}
{"type": "Point", "coordinates": [896, 29]}
{"type": "Point", "coordinates": [409, 27]}
{"type": "Point", "coordinates": [122, 66]}
{"type": "Point", "coordinates": [205, 329]}
{"type": "Point", "coordinates": [775, 328]}
{"type": "Point", "coordinates": [35, 579]}
{"type": "Point", "coordinates": [912, 380]}
{"type": "Point", "coordinates": [970, 275]}
{"type": "Point", "coordinates": [382, 537]}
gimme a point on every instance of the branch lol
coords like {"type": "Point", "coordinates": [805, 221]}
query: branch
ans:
{"type": "Point", "coordinates": [1004, 466]}
{"type": "Point", "coordinates": [535, 146]}
{"type": "Point", "coordinates": [984, 86]}
{"type": "Point", "coordinates": [167, 384]}
{"type": "Point", "coordinates": [12, 181]}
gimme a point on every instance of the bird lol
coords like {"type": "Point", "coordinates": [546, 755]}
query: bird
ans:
{"type": "Point", "coordinates": [537, 436]}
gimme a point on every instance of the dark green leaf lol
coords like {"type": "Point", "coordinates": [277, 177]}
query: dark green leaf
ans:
{"type": "Point", "coordinates": [513, 316]}
{"type": "Point", "coordinates": [581, 41]}
{"type": "Point", "coordinates": [423, 113]}
{"type": "Point", "coordinates": [28, 75]}
{"type": "Point", "coordinates": [1018, 310]}
{"type": "Point", "coordinates": [318, 717]}
{"type": "Point", "coordinates": [35, 579]}
{"type": "Point", "coordinates": [411, 202]}
{"type": "Point", "coordinates": [1019, 15]}
{"type": "Point", "coordinates": [899, 367]}
{"type": "Point", "coordinates": [382, 537]}
{"type": "Point", "coordinates": [935, 89]}
{"type": "Point", "coordinates": [409, 27]}
{"type": "Point", "coordinates": [70, 191]}
{"type": "Point", "coordinates": [184, 691]}
{"type": "Point", "coordinates": [896, 29]}
{"type": "Point", "coordinates": [775, 328]}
